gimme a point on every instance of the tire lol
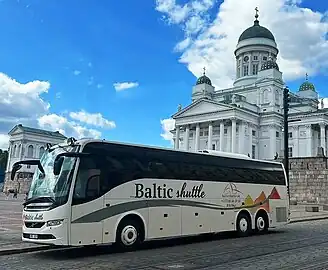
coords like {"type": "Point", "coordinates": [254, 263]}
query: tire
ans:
{"type": "Point", "coordinates": [128, 235]}
{"type": "Point", "coordinates": [261, 223]}
{"type": "Point", "coordinates": [244, 225]}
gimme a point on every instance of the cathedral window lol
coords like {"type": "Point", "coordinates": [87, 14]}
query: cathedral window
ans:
{"type": "Point", "coordinates": [255, 69]}
{"type": "Point", "coordinates": [265, 58]}
{"type": "Point", "coordinates": [245, 70]}
{"type": "Point", "coordinates": [255, 57]}
{"type": "Point", "coordinates": [277, 97]}
{"type": "Point", "coordinates": [30, 151]}
{"type": "Point", "coordinates": [265, 96]}
{"type": "Point", "coordinates": [290, 151]}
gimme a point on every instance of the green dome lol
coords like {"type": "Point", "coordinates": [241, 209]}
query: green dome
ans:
{"type": "Point", "coordinates": [204, 79]}
{"type": "Point", "coordinates": [270, 64]}
{"type": "Point", "coordinates": [307, 86]}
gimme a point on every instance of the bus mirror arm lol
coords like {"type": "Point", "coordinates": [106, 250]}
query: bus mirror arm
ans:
{"type": "Point", "coordinates": [73, 155]}
{"type": "Point", "coordinates": [60, 158]}
{"type": "Point", "coordinates": [18, 165]}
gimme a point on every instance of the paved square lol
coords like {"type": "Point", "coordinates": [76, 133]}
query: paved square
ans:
{"type": "Point", "coordinates": [11, 213]}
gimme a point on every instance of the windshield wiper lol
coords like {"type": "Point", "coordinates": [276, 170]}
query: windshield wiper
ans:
{"type": "Point", "coordinates": [39, 199]}
{"type": "Point", "coordinates": [17, 165]}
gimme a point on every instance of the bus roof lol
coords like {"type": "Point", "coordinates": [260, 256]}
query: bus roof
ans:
{"type": "Point", "coordinates": [83, 142]}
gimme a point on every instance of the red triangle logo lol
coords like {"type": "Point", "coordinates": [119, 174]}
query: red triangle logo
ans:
{"type": "Point", "coordinates": [274, 194]}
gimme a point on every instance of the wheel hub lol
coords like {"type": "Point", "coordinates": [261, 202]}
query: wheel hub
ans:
{"type": "Point", "coordinates": [260, 223]}
{"type": "Point", "coordinates": [129, 235]}
{"type": "Point", "coordinates": [243, 224]}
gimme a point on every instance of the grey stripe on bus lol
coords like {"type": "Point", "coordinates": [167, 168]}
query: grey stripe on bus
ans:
{"type": "Point", "coordinates": [117, 209]}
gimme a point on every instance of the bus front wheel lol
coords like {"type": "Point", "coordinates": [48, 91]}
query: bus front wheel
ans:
{"type": "Point", "coordinates": [244, 224]}
{"type": "Point", "coordinates": [128, 234]}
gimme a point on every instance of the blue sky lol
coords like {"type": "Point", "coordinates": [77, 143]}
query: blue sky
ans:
{"type": "Point", "coordinates": [82, 47]}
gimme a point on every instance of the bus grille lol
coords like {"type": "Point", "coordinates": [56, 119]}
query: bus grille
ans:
{"type": "Point", "coordinates": [281, 214]}
{"type": "Point", "coordinates": [34, 224]}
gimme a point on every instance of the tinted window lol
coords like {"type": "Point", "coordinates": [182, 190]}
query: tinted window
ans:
{"type": "Point", "coordinates": [123, 163]}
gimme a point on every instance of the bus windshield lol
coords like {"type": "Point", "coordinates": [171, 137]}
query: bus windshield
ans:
{"type": "Point", "coordinates": [54, 187]}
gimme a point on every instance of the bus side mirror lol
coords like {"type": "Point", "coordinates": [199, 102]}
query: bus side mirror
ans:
{"type": "Point", "coordinates": [57, 165]}
{"type": "Point", "coordinates": [15, 168]}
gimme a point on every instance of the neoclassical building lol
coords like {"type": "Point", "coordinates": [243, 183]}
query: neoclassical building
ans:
{"type": "Point", "coordinates": [27, 143]}
{"type": "Point", "coordinates": [248, 117]}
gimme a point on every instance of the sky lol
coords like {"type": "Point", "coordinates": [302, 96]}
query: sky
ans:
{"type": "Point", "coordinates": [119, 69]}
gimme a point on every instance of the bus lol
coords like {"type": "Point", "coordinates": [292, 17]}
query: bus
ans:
{"type": "Point", "coordinates": [91, 192]}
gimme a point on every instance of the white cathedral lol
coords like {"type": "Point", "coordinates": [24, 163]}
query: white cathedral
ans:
{"type": "Point", "coordinates": [248, 118]}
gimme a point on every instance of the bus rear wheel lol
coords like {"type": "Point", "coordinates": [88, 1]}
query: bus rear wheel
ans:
{"type": "Point", "coordinates": [128, 235]}
{"type": "Point", "coordinates": [261, 222]}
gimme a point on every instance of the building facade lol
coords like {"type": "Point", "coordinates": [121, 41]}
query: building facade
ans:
{"type": "Point", "coordinates": [248, 117]}
{"type": "Point", "coordinates": [26, 143]}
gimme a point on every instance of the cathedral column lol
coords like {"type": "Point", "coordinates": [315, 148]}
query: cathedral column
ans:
{"type": "Point", "coordinates": [250, 143]}
{"type": "Point", "coordinates": [233, 135]}
{"type": "Point", "coordinates": [273, 141]}
{"type": "Point", "coordinates": [309, 134]}
{"type": "Point", "coordinates": [210, 135]}
{"type": "Point", "coordinates": [323, 136]}
{"type": "Point", "coordinates": [197, 137]}
{"type": "Point", "coordinates": [187, 137]}
{"type": "Point", "coordinates": [241, 137]}
{"type": "Point", "coordinates": [177, 137]}
{"type": "Point", "coordinates": [221, 135]}
{"type": "Point", "coordinates": [296, 142]}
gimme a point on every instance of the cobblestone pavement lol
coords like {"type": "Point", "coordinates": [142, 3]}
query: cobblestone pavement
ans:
{"type": "Point", "coordinates": [10, 219]}
{"type": "Point", "coordinates": [297, 246]}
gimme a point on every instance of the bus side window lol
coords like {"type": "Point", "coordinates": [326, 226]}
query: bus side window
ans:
{"type": "Point", "coordinates": [93, 188]}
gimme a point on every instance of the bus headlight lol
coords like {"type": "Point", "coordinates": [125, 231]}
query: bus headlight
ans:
{"type": "Point", "coordinates": [55, 222]}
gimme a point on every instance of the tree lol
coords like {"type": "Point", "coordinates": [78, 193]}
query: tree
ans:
{"type": "Point", "coordinates": [3, 159]}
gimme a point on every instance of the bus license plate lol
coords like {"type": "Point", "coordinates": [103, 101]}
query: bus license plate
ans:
{"type": "Point", "coordinates": [33, 236]}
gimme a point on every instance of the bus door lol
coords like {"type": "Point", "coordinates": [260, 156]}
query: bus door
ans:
{"type": "Point", "coordinates": [86, 220]}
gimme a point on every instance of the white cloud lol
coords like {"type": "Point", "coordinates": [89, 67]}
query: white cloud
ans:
{"type": "Point", "coordinates": [167, 125]}
{"type": "Point", "coordinates": [95, 119]}
{"type": "Point", "coordinates": [299, 32]}
{"type": "Point", "coordinates": [4, 141]}
{"type": "Point", "coordinates": [99, 86]}
{"type": "Point", "coordinates": [21, 102]}
{"type": "Point", "coordinates": [77, 72]}
{"type": "Point", "coordinates": [59, 123]}
{"type": "Point", "coordinates": [125, 85]}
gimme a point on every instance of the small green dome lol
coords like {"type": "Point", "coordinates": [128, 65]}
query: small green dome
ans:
{"type": "Point", "coordinates": [270, 64]}
{"type": "Point", "coordinates": [204, 79]}
{"type": "Point", "coordinates": [307, 86]}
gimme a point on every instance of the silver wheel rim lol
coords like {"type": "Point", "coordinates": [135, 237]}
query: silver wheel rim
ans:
{"type": "Point", "coordinates": [260, 223]}
{"type": "Point", "coordinates": [129, 235]}
{"type": "Point", "coordinates": [243, 224]}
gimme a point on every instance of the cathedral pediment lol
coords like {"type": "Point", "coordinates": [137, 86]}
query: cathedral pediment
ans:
{"type": "Point", "coordinates": [202, 107]}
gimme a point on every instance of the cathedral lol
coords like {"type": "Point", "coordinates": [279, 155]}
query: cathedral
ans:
{"type": "Point", "coordinates": [248, 118]}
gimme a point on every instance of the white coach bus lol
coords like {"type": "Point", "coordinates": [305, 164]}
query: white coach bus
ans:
{"type": "Point", "coordinates": [90, 192]}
